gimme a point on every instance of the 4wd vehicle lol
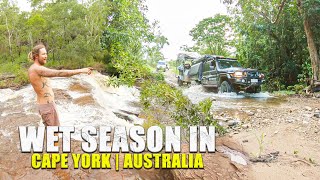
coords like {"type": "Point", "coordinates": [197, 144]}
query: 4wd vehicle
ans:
{"type": "Point", "coordinates": [225, 74]}
{"type": "Point", "coordinates": [183, 64]}
{"type": "Point", "coordinates": [162, 65]}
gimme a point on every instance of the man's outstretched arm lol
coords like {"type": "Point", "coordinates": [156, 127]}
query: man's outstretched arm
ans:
{"type": "Point", "coordinates": [46, 72]}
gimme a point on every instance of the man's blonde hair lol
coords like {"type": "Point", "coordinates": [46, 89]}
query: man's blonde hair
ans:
{"type": "Point", "coordinates": [35, 51]}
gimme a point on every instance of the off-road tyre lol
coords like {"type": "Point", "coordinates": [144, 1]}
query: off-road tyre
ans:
{"type": "Point", "coordinates": [225, 87]}
{"type": "Point", "coordinates": [180, 83]}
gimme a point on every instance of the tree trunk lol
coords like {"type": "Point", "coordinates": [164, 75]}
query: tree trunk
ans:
{"type": "Point", "coordinates": [314, 56]}
{"type": "Point", "coordinates": [9, 38]}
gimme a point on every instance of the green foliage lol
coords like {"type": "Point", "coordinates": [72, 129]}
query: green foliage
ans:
{"type": "Point", "coordinates": [158, 76]}
{"type": "Point", "coordinates": [157, 96]}
{"type": "Point", "coordinates": [260, 143]}
{"type": "Point", "coordinates": [283, 93]}
{"type": "Point", "coordinates": [210, 35]}
{"type": "Point", "coordinates": [306, 73]}
{"type": "Point", "coordinates": [277, 46]}
{"type": "Point", "coordinates": [150, 120]}
{"type": "Point", "coordinates": [76, 34]}
{"type": "Point", "coordinates": [297, 88]}
{"type": "Point", "coordinates": [113, 81]}
{"type": "Point", "coordinates": [123, 40]}
{"type": "Point", "coordinates": [153, 49]}
{"type": "Point", "coordinates": [18, 71]}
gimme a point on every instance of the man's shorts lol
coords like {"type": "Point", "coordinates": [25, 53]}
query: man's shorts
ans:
{"type": "Point", "coordinates": [49, 114]}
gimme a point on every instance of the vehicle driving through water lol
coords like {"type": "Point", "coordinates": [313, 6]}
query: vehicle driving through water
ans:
{"type": "Point", "coordinates": [225, 74]}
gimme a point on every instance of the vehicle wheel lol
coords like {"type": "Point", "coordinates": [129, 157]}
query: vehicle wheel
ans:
{"type": "Point", "coordinates": [180, 83]}
{"type": "Point", "coordinates": [225, 87]}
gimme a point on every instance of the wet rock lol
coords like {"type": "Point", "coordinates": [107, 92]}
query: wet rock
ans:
{"type": "Point", "coordinates": [246, 126]}
{"type": "Point", "coordinates": [84, 100]}
{"type": "Point", "coordinates": [80, 88]}
{"type": "Point", "coordinates": [130, 112]}
{"type": "Point", "coordinates": [221, 119]}
{"type": "Point", "coordinates": [233, 123]}
{"type": "Point", "coordinates": [307, 115]}
{"type": "Point", "coordinates": [61, 94]}
{"type": "Point", "coordinates": [250, 113]}
{"type": "Point", "coordinates": [305, 122]}
{"type": "Point", "coordinates": [221, 123]}
{"type": "Point", "coordinates": [266, 158]}
{"type": "Point", "coordinates": [308, 108]}
{"type": "Point", "coordinates": [129, 117]}
{"type": "Point", "coordinates": [289, 120]}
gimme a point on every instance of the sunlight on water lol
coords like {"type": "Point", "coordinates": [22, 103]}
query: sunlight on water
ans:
{"type": "Point", "coordinates": [6, 94]}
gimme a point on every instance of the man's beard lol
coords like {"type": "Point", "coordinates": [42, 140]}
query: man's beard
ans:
{"type": "Point", "coordinates": [42, 62]}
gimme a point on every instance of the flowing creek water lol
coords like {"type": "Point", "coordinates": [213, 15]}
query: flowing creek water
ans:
{"type": "Point", "coordinates": [81, 101]}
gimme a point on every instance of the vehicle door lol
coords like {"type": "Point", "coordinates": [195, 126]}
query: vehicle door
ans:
{"type": "Point", "coordinates": [212, 74]}
{"type": "Point", "coordinates": [205, 72]}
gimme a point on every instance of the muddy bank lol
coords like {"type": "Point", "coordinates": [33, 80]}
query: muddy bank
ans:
{"type": "Point", "coordinates": [279, 134]}
{"type": "Point", "coordinates": [292, 129]}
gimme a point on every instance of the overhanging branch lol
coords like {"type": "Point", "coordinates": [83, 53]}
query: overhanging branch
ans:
{"type": "Point", "coordinates": [280, 10]}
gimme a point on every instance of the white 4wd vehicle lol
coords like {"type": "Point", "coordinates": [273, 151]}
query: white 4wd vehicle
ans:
{"type": "Point", "coordinates": [162, 65]}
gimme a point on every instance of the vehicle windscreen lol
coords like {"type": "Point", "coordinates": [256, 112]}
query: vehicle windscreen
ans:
{"type": "Point", "coordinates": [224, 63]}
{"type": "Point", "coordinates": [161, 63]}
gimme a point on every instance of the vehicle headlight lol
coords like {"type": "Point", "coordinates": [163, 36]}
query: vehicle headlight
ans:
{"type": "Point", "coordinates": [238, 74]}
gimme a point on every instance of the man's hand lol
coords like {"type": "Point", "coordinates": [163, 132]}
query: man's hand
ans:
{"type": "Point", "coordinates": [87, 70]}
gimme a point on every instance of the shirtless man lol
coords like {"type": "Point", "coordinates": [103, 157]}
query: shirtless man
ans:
{"type": "Point", "coordinates": [38, 76]}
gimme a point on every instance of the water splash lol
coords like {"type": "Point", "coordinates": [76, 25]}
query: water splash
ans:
{"type": "Point", "coordinates": [6, 94]}
{"type": "Point", "coordinates": [197, 93]}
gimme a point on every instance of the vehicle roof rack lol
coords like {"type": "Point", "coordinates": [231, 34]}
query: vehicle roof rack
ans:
{"type": "Point", "coordinates": [208, 57]}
